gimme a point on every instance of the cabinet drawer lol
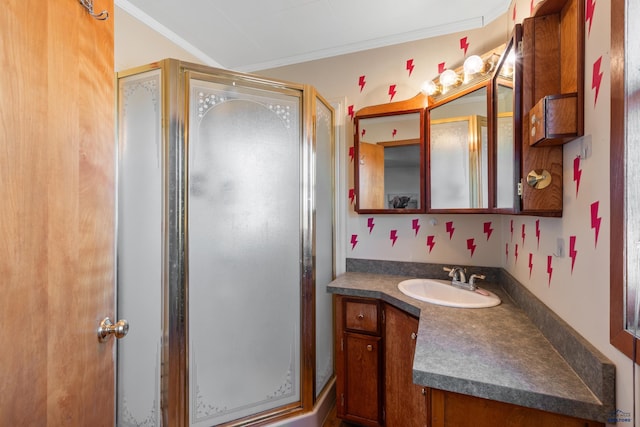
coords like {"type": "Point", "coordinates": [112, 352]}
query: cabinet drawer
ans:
{"type": "Point", "coordinates": [554, 120]}
{"type": "Point", "coordinates": [361, 316]}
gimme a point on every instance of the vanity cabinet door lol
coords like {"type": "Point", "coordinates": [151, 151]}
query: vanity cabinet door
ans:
{"type": "Point", "coordinates": [458, 410]}
{"type": "Point", "coordinates": [361, 400]}
{"type": "Point", "coordinates": [359, 352]}
{"type": "Point", "coordinates": [405, 402]}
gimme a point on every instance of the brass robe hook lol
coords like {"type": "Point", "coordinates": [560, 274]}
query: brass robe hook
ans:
{"type": "Point", "coordinates": [88, 4]}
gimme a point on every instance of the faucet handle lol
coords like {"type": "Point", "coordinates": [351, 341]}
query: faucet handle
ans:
{"type": "Point", "coordinates": [450, 270]}
{"type": "Point", "coordinates": [472, 279]}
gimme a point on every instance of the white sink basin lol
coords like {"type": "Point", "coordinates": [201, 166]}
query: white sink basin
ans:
{"type": "Point", "coordinates": [441, 292]}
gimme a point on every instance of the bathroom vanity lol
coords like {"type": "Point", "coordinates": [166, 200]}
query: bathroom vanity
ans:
{"type": "Point", "coordinates": [404, 362]}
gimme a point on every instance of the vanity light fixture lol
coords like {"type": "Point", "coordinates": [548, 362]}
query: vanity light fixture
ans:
{"type": "Point", "coordinates": [476, 68]}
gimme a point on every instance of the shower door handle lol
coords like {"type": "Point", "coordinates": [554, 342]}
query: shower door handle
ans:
{"type": "Point", "coordinates": [120, 329]}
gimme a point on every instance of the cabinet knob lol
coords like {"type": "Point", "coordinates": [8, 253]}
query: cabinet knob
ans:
{"type": "Point", "coordinates": [360, 316]}
{"type": "Point", "coordinates": [369, 347]}
{"type": "Point", "coordinates": [414, 335]}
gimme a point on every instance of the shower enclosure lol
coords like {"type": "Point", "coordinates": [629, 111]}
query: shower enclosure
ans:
{"type": "Point", "coordinates": [225, 246]}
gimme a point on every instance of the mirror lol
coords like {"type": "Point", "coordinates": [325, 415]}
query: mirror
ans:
{"type": "Point", "coordinates": [506, 109]}
{"type": "Point", "coordinates": [459, 151]}
{"type": "Point", "coordinates": [389, 158]}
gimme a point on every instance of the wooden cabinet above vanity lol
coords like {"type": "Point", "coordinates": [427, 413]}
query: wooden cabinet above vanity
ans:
{"type": "Point", "coordinates": [552, 52]}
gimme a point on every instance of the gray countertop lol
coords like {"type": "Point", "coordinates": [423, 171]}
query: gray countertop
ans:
{"type": "Point", "coordinates": [495, 353]}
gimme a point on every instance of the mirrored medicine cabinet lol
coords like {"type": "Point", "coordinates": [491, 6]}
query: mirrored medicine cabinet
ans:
{"type": "Point", "coordinates": [389, 157]}
{"type": "Point", "coordinates": [452, 150]}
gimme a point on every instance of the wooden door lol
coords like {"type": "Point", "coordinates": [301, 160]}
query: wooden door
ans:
{"type": "Point", "coordinates": [56, 214]}
{"type": "Point", "coordinates": [371, 176]}
{"type": "Point", "coordinates": [405, 402]}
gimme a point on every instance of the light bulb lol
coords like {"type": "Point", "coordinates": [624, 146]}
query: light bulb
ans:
{"type": "Point", "coordinates": [430, 88]}
{"type": "Point", "coordinates": [473, 64]}
{"type": "Point", "coordinates": [448, 78]}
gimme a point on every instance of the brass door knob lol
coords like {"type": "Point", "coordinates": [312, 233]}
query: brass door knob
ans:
{"type": "Point", "coordinates": [120, 329]}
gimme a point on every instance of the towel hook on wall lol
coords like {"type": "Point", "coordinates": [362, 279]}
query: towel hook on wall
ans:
{"type": "Point", "coordinates": [88, 4]}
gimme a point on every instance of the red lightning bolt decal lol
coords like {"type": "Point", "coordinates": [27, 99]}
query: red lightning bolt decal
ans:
{"type": "Point", "coordinates": [431, 242]}
{"type": "Point", "coordinates": [363, 133]}
{"type": "Point", "coordinates": [577, 173]}
{"type": "Point", "coordinates": [530, 263]}
{"type": "Point", "coordinates": [549, 268]}
{"type": "Point", "coordinates": [450, 229]}
{"type": "Point", "coordinates": [596, 79]}
{"type": "Point", "coordinates": [352, 195]}
{"type": "Point", "coordinates": [441, 67]}
{"type": "Point", "coordinates": [464, 45]}
{"type": "Point", "coordinates": [394, 133]}
{"type": "Point", "coordinates": [538, 232]}
{"type": "Point", "coordinates": [416, 225]}
{"type": "Point", "coordinates": [351, 112]}
{"type": "Point", "coordinates": [512, 230]}
{"type": "Point", "coordinates": [487, 229]}
{"type": "Point", "coordinates": [393, 235]}
{"type": "Point", "coordinates": [595, 219]}
{"type": "Point", "coordinates": [354, 241]}
{"type": "Point", "coordinates": [370, 224]}
{"type": "Point", "coordinates": [572, 251]}
{"type": "Point", "coordinates": [352, 153]}
{"type": "Point", "coordinates": [513, 16]}
{"type": "Point", "coordinates": [591, 7]}
{"type": "Point", "coordinates": [471, 246]}
{"type": "Point", "coordinates": [523, 234]}
{"type": "Point", "coordinates": [392, 92]}
{"type": "Point", "coordinates": [361, 82]}
{"type": "Point", "coordinates": [410, 66]}
{"type": "Point", "coordinates": [516, 252]}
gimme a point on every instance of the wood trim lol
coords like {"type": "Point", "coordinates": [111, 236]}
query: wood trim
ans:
{"type": "Point", "coordinates": [420, 101]}
{"type": "Point", "coordinates": [618, 336]}
{"type": "Point", "coordinates": [401, 142]}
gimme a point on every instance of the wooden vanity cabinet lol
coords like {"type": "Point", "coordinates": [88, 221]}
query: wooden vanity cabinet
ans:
{"type": "Point", "coordinates": [458, 410]}
{"type": "Point", "coordinates": [375, 347]}
{"type": "Point", "coordinates": [359, 360]}
{"type": "Point", "coordinates": [406, 403]}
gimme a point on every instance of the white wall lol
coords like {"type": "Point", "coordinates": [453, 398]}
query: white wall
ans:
{"type": "Point", "coordinates": [580, 295]}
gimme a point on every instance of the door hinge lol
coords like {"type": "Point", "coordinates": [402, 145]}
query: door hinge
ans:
{"type": "Point", "coordinates": [520, 189]}
{"type": "Point", "coordinates": [384, 318]}
{"type": "Point", "coordinates": [341, 399]}
{"type": "Point", "coordinates": [342, 344]}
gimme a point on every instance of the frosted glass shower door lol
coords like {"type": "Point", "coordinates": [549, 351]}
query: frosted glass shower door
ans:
{"type": "Point", "coordinates": [243, 250]}
{"type": "Point", "coordinates": [140, 243]}
{"type": "Point", "coordinates": [324, 244]}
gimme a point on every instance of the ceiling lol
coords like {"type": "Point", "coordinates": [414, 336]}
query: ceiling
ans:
{"type": "Point", "coordinates": [251, 35]}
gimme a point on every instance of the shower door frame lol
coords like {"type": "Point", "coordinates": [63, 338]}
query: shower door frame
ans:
{"type": "Point", "coordinates": [174, 388]}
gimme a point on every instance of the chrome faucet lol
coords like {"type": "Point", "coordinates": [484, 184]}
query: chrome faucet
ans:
{"type": "Point", "coordinates": [459, 278]}
{"type": "Point", "coordinates": [457, 275]}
